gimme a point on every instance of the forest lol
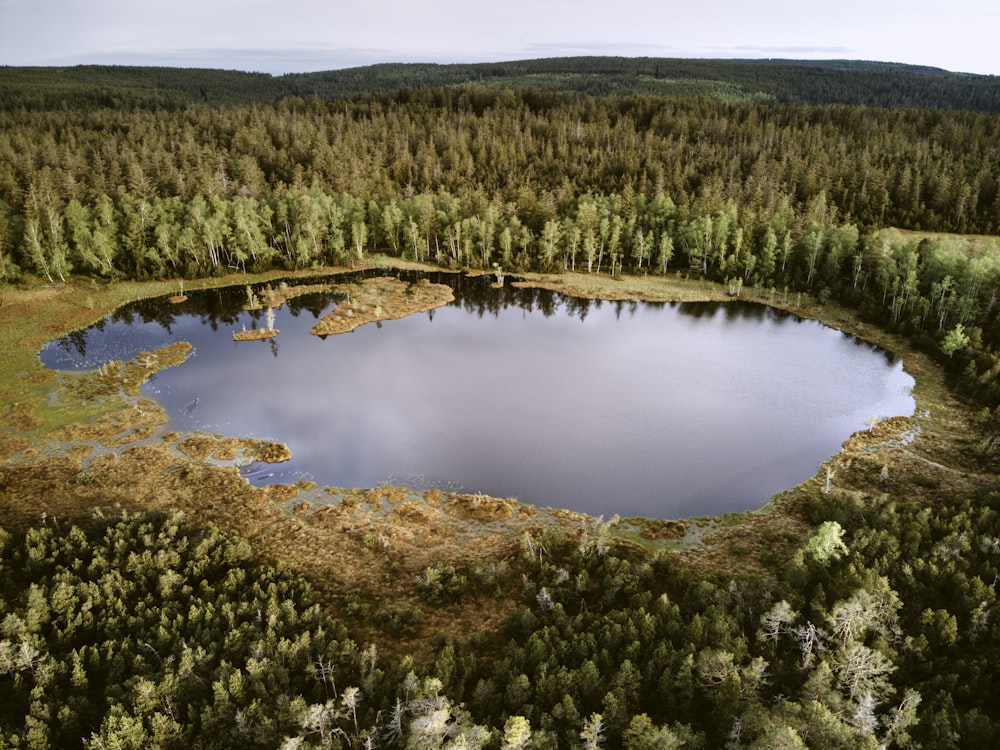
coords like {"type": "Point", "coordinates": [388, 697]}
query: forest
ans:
{"type": "Point", "coordinates": [141, 631]}
{"type": "Point", "coordinates": [869, 186]}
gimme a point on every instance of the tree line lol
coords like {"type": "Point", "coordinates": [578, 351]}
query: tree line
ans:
{"type": "Point", "coordinates": [812, 82]}
{"type": "Point", "coordinates": [538, 151]}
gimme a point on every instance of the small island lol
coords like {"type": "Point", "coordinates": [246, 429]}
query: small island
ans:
{"type": "Point", "coordinates": [256, 334]}
{"type": "Point", "coordinates": [381, 298]}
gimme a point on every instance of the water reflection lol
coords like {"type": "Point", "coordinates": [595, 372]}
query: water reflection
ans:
{"type": "Point", "coordinates": [665, 410]}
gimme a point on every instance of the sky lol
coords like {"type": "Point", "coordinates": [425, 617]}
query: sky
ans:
{"type": "Point", "coordinates": [289, 36]}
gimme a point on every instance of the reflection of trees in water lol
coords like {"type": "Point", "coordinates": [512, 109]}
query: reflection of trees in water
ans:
{"type": "Point", "coordinates": [629, 306]}
{"type": "Point", "coordinates": [891, 358]}
{"type": "Point", "coordinates": [224, 307]}
{"type": "Point", "coordinates": [315, 304]}
{"type": "Point", "coordinates": [75, 341]}
{"type": "Point", "coordinates": [216, 307]}
{"type": "Point", "coordinates": [750, 311]}
{"type": "Point", "coordinates": [733, 311]}
{"type": "Point", "coordinates": [155, 310]}
{"type": "Point", "coordinates": [577, 307]}
{"type": "Point", "coordinates": [482, 298]}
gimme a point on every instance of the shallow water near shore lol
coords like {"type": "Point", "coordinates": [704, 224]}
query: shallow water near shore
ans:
{"type": "Point", "coordinates": [658, 410]}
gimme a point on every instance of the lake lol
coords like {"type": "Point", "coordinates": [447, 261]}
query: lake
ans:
{"type": "Point", "coordinates": [658, 410]}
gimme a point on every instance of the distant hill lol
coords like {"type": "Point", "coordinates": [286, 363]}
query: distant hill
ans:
{"type": "Point", "coordinates": [875, 84]}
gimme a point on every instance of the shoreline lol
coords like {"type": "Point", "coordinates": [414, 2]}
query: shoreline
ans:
{"type": "Point", "coordinates": [589, 286]}
{"type": "Point", "coordinates": [343, 540]}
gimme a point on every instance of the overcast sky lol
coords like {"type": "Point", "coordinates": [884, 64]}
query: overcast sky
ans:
{"type": "Point", "coordinates": [282, 36]}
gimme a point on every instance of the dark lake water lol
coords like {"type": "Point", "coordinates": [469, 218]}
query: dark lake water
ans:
{"type": "Point", "coordinates": [661, 410]}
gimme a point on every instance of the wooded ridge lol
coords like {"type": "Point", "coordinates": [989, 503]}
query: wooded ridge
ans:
{"type": "Point", "coordinates": [874, 84]}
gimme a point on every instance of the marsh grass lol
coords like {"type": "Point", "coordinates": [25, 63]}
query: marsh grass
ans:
{"type": "Point", "coordinates": [232, 450]}
{"type": "Point", "coordinates": [672, 287]}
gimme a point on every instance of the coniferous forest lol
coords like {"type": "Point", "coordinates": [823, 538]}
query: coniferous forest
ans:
{"type": "Point", "coordinates": [854, 184]}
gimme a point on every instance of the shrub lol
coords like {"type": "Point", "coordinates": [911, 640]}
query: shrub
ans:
{"type": "Point", "coordinates": [439, 584]}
